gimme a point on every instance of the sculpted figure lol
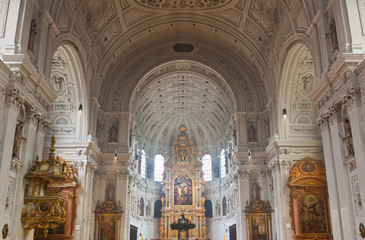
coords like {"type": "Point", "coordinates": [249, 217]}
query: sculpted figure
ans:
{"type": "Point", "coordinates": [110, 192]}
{"type": "Point", "coordinates": [113, 133]}
{"type": "Point", "coordinates": [18, 139]}
{"type": "Point", "coordinates": [32, 34]}
{"type": "Point", "coordinates": [333, 35]}
{"type": "Point", "coordinates": [348, 137]}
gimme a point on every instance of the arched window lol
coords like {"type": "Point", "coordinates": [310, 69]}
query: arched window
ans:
{"type": "Point", "coordinates": [223, 164]}
{"type": "Point", "coordinates": [208, 209]}
{"type": "Point", "coordinates": [207, 167]}
{"type": "Point", "coordinates": [143, 164]}
{"type": "Point", "coordinates": [157, 209]}
{"type": "Point", "coordinates": [224, 206]}
{"type": "Point", "coordinates": [159, 168]}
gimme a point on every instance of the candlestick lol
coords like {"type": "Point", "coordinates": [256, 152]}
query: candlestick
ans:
{"type": "Point", "coordinates": [224, 237]}
{"type": "Point", "coordinates": [156, 235]}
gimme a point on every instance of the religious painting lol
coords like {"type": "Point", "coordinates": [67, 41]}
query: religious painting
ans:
{"type": "Point", "coordinates": [183, 190]}
{"type": "Point", "coordinates": [108, 228]}
{"type": "Point", "coordinates": [258, 226]}
{"type": "Point", "coordinates": [312, 214]}
{"type": "Point", "coordinates": [307, 167]}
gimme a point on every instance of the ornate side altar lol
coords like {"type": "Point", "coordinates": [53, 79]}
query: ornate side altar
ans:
{"type": "Point", "coordinates": [183, 186]}
{"type": "Point", "coordinates": [309, 208]}
{"type": "Point", "coordinates": [258, 220]}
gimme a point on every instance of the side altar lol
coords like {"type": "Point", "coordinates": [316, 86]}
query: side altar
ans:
{"type": "Point", "coordinates": [182, 191]}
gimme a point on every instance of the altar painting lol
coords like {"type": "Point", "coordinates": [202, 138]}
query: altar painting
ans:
{"type": "Point", "coordinates": [259, 229]}
{"type": "Point", "coordinates": [183, 190]}
{"type": "Point", "coordinates": [312, 214]}
{"type": "Point", "coordinates": [108, 229]}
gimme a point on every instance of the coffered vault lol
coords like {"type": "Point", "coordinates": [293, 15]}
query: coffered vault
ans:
{"type": "Point", "coordinates": [183, 92]}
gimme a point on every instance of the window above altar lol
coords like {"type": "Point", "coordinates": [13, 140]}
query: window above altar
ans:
{"type": "Point", "coordinates": [159, 167]}
{"type": "Point", "coordinates": [207, 167]}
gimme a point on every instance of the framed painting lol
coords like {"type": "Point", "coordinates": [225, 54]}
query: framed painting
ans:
{"type": "Point", "coordinates": [183, 190]}
{"type": "Point", "coordinates": [312, 214]}
{"type": "Point", "coordinates": [258, 226]}
{"type": "Point", "coordinates": [108, 227]}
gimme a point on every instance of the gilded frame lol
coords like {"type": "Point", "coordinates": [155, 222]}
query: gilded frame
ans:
{"type": "Point", "coordinates": [251, 218]}
{"type": "Point", "coordinates": [301, 234]}
{"type": "Point", "coordinates": [192, 187]}
{"type": "Point", "coordinates": [102, 223]}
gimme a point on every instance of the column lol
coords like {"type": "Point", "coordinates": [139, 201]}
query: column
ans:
{"type": "Point", "coordinates": [12, 107]}
{"type": "Point", "coordinates": [121, 196]}
{"type": "Point", "coordinates": [331, 179]}
{"type": "Point", "coordinates": [241, 133]}
{"type": "Point", "coordinates": [39, 138]}
{"type": "Point", "coordinates": [354, 109]}
{"type": "Point", "coordinates": [243, 199]}
{"type": "Point", "coordinates": [343, 183]}
{"type": "Point", "coordinates": [26, 155]}
{"type": "Point", "coordinates": [86, 169]}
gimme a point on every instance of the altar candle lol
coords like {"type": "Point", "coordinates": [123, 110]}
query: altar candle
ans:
{"type": "Point", "coordinates": [142, 238]}
{"type": "Point", "coordinates": [224, 237]}
{"type": "Point", "coordinates": [156, 235]}
{"type": "Point", "coordinates": [209, 235]}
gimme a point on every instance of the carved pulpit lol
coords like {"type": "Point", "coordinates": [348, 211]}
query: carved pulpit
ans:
{"type": "Point", "coordinates": [183, 186]}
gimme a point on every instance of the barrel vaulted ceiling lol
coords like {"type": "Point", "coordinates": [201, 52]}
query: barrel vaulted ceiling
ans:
{"type": "Point", "coordinates": [124, 43]}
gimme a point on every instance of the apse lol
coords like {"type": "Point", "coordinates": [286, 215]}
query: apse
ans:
{"type": "Point", "coordinates": [192, 94]}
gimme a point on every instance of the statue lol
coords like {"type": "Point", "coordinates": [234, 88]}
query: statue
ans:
{"type": "Point", "coordinates": [251, 133]}
{"type": "Point", "coordinates": [18, 138]}
{"type": "Point", "coordinates": [109, 193]}
{"type": "Point", "coordinates": [113, 134]}
{"type": "Point", "coordinates": [255, 191]}
{"type": "Point", "coordinates": [32, 34]}
{"type": "Point", "coordinates": [348, 137]}
{"type": "Point", "coordinates": [333, 35]}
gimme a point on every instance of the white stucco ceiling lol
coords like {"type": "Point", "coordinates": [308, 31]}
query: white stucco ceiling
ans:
{"type": "Point", "coordinates": [201, 101]}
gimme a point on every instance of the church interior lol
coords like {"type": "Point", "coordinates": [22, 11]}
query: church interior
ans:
{"type": "Point", "coordinates": [182, 119]}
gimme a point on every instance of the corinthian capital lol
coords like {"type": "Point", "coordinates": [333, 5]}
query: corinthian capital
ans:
{"type": "Point", "coordinates": [43, 123]}
{"type": "Point", "coordinates": [323, 123]}
{"type": "Point", "coordinates": [334, 115]}
{"type": "Point", "coordinates": [352, 98]}
{"type": "Point", "coordinates": [13, 99]}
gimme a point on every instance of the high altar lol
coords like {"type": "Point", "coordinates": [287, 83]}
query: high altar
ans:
{"type": "Point", "coordinates": [183, 186]}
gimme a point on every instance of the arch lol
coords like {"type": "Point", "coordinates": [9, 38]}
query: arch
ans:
{"type": "Point", "coordinates": [157, 209]}
{"type": "Point", "coordinates": [297, 78]}
{"type": "Point", "coordinates": [68, 82]}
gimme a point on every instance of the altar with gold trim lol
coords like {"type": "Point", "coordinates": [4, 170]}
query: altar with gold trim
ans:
{"type": "Point", "coordinates": [182, 192]}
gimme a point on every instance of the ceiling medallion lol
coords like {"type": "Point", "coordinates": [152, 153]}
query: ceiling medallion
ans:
{"type": "Point", "coordinates": [183, 4]}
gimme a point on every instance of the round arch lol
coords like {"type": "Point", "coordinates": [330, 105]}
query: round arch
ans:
{"type": "Point", "coordinates": [296, 111]}
{"type": "Point", "coordinates": [68, 81]}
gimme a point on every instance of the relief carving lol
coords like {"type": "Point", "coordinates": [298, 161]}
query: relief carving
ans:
{"type": "Point", "coordinates": [183, 4]}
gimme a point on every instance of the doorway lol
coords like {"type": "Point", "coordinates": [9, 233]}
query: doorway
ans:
{"type": "Point", "coordinates": [133, 232]}
{"type": "Point", "coordinates": [232, 232]}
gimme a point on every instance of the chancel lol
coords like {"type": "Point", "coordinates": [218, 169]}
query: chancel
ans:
{"type": "Point", "coordinates": [182, 120]}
